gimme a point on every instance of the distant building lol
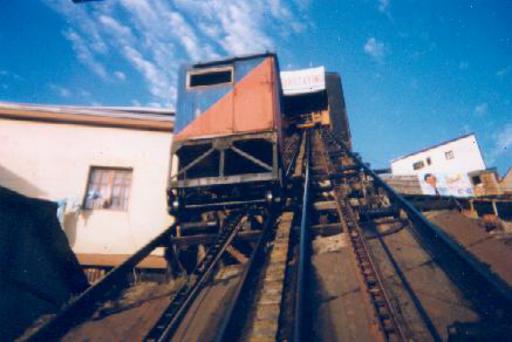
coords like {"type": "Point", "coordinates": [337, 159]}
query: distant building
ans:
{"type": "Point", "coordinates": [107, 168]}
{"type": "Point", "coordinates": [449, 168]}
{"type": "Point", "coordinates": [506, 183]}
{"type": "Point", "coordinates": [486, 182]}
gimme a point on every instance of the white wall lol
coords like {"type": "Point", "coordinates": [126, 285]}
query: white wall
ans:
{"type": "Point", "coordinates": [467, 158]}
{"type": "Point", "coordinates": [52, 161]}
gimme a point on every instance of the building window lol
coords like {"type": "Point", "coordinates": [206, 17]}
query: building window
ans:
{"type": "Point", "coordinates": [209, 77]}
{"type": "Point", "coordinates": [108, 188]}
{"type": "Point", "coordinates": [429, 161]}
{"type": "Point", "coordinates": [449, 155]}
{"type": "Point", "coordinates": [418, 165]}
{"type": "Point", "coordinates": [476, 180]}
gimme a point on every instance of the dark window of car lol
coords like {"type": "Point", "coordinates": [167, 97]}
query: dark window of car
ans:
{"type": "Point", "coordinates": [209, 77]}
{"type": "Point", "coordinates": [429, 161]}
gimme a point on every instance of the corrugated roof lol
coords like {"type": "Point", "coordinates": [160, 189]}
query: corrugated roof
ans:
{"type": "Point", "coordinates": [145, 118]}
{"type": "Point", "coordinates": [160, 114]}
{"type": "Point", "coordinates": [432, 147]}
{"type": "Point", "coordinates": [232, 59]}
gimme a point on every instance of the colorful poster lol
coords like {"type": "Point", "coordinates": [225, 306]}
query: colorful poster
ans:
{"type": "Point", "coordinates": [456, 184]}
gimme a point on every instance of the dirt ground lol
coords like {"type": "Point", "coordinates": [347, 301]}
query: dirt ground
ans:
{"type": "Point", "coordinates": [471, 234]}
{"type": "Point", "coordinates": [127, 319]}
{"type": "Point", "coordinates": [338, 304]}
{"type": "Point", "coordinates": [441, 300]}
{"type": "Point", "coordinates": [131, 318]}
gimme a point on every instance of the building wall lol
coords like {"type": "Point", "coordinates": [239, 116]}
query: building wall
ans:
{"type": "Point", "coordinates": [489, 184]}
{"type": "Point", "coordinates": [506, 183]}
{"type": "Point", "coordinates": [466, 153]}
{"type": "Point", "coordinates": [52, 161]}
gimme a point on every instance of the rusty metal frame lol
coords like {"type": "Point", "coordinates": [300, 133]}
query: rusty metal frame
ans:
{"type": "Point", "coordinates": [223, 144]}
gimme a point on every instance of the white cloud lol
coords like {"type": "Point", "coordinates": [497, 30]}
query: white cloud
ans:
{"type": "Point", "coordinates": [84, 93]}
{"type": "Point", "coordinates": [154, 104]}
{"type": "Point", "coordinates": [85, 53]}
{"type": "Point", "coordinates": [61, 91]}
{"type": "Point", "coordinates": [481, 109]}
{"type": "Point", "coordinates": [11, 75]}
{"type": "Point", "coordinates": [503, 140]}
{"type": "Point", "coordinates": [503, 72]}
{"type": "Point", "coordinates": [463, 65]}
{"type": "Point", "coordinates": [375, 49]}
{"type": "Point", "coordinates": [383, 5]}
{"type": "Point", "coordinates": [155, 36]}
{"type": "Point", "coordinates": [160, 86]}
{"type": "Point", "coordinates": [120, 75]}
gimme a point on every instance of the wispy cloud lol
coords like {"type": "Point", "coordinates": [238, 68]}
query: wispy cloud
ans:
{"type": "Point", "coordinates": [481, 109]}
{"type": "Point", "coordinates": [120, 75]}
{"type": "Point", "coordinates": [10, 75]}
{"type": "Point", "coordinates": [502, 142]}
{"type": "Point", "coordinates": [84, 52]}
{"type": "Point", "coordinates": [383, 6]}
{"type": "Point", "coordinates": [503, 72]}
{"type": "Point", "coordinates": [463, 65]}
{"type": "Point", "coordinates": [155, 36]}
{"type": "Point", "coordinates": [375, 49]}
{"type": "Point", "coordinates": [61, 91]}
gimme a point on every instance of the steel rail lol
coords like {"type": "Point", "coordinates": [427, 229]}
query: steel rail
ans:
{"type": "Point", "coordinates": [232, 325]}
{"type": "Point", "coordinates": [291, 166]}
{"type": "Point", "coordinates": [230, 328]}
{"type": "Point", "coordinates": [371, 277]}
{"type": "Point", "coordinates": [300, 321]}
{"type": "Point", "coordinates": [176, 311]}
{"type": "Point", "coordinates": [84, 305]}
{"type": "Point", "coordinates": [459, 264]}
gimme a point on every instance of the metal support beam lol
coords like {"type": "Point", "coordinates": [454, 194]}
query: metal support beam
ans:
{"type": "Point", "coordinates": [252, 158]}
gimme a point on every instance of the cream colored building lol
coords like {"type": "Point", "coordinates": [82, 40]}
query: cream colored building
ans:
{"type": "Point", "coordinates": [108, 168]}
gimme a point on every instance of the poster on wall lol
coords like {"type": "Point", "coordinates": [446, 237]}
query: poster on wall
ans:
{"type": "Point", "coordinates": [454, 184]}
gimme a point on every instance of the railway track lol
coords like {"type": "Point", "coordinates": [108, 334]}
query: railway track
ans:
{"type": "Point", "coordinates": [446, 279]}
{"type": "Point", "coordinates": [414, 281]}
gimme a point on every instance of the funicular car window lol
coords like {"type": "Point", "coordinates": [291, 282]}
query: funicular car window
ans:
{"type": "Point", "coordinates": [209, 77]}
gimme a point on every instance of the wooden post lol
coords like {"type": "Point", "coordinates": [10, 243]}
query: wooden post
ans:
{"type": "Point", "coordinates": [495, 208]}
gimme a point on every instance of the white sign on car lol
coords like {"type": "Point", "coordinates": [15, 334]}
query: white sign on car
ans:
{"type": "Point", "coordinates": [303, 81]}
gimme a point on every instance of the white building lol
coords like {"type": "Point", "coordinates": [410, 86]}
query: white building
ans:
{"type": "Point", "coordinates": [443, 168]}
{"type": "Point", "coordinates": [107, 166]}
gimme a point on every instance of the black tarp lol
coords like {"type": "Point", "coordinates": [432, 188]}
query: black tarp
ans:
{"type": "Point", "coordinates": [38, 270]}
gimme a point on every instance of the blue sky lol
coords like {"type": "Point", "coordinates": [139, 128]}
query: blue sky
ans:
{"type": "Point", "coordinates": [415, 73]}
